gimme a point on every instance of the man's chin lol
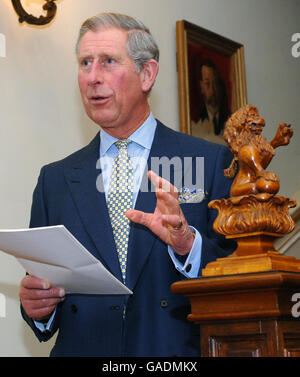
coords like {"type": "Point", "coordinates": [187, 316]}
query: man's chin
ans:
{"type": "Point", "coordinates": [104, 121]}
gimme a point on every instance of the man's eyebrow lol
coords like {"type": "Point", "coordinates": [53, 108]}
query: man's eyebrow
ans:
{"type": "Point", "coordinates": [84, 56]}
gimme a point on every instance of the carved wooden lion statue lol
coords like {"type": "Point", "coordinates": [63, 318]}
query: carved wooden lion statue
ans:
{"type": "Point", "coordinates": [252, 152]}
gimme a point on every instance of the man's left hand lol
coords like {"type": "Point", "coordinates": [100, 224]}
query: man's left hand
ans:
{"type": "Point", "coordinates": [167, 221]}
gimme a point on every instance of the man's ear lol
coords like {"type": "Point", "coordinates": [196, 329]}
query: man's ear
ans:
{"type": "Point", "coordinates": [148, 75]}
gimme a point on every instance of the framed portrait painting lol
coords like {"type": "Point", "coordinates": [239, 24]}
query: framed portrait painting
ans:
{"type": "Point", "coordinates": [211, 80]}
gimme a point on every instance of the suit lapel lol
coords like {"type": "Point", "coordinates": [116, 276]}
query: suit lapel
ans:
{"type": "Point", "coordinates": [83, 178]}
{"type": "Point", "coordinates": [141, 239]}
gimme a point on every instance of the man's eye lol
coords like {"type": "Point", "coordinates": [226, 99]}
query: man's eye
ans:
{"type": "Point", "coordinates": [110, 60]}
{"type": "Point", "coordinates": [85, 63]}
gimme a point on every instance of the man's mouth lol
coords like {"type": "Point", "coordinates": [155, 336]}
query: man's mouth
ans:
{"type": "Point", "coordinates": [98, 99]}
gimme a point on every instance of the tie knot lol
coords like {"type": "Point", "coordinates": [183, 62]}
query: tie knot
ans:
{"type": "Point", "coordinates": [122, 144]}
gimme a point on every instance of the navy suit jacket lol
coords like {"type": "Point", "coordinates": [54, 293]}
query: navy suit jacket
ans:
{"type": "Point", "coordinates": [155, 323]}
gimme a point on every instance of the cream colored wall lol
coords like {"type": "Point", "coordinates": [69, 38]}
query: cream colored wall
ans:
{"type": "Point", "coordinates": [41, 117]}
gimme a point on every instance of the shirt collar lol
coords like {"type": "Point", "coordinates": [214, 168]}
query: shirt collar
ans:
{"type": "Point", "coordinates": [143, 136]}
{"type": "Point", "coordinates": [211, 115]}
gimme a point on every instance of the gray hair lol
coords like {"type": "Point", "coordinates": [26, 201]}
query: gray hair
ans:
{"type": "Point", "coordinates": [141, 46]}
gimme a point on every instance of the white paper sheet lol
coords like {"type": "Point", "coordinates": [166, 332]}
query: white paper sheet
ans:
{"type": "Point", "coordinates": [53, 253]}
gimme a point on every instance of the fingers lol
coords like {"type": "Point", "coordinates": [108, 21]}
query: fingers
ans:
{"type": "Point", "coordinates": [167, 221]}
{"type": "Point", "coordinates": [144, 218]}
{"type": "Point", "coordinates": [166, 193]}
{"type": "Point", "coordinates": [38, 297]}
{"type": "Point", "coordinates": [162, 184]}
{"type": "Point", "coordinates": [32, 282]}
{"type": "Point", "coordinates": [174, 221]}
{"type": "Point", "coordinates": [139, 217]}
{"type": "Point", "coordinates": [170, 200]}
{"type": "Point", "coordinates": [167, 204]}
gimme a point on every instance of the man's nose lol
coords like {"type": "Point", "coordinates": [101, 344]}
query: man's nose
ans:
{"type": "Point", "coordinates": [95, 74]}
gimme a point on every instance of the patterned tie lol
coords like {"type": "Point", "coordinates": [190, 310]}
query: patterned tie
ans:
{"type": "Point", "coordinates": [120, 199]}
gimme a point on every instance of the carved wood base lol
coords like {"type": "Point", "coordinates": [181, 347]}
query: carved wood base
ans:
{"type": "Point", "coordinates": [253, 213]}
{"type": "Point", "coordinates": [270, 261]}
{"type": "Point", "coordinates": [254, 243]}
{"type": "Point", "coordinates": [255, 253]}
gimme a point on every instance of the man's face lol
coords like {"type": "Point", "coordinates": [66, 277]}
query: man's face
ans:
{"type": "Point", "coordinates": [110, 87]}
{"type": "Point", "coordinates": [209, 86]}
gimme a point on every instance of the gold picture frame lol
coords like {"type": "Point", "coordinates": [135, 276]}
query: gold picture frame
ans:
{"type": "Point", "coordinates": [195, 46]}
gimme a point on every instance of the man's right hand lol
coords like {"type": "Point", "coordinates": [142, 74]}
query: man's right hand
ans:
{"type": "Point", "coordinates": [39, 298]}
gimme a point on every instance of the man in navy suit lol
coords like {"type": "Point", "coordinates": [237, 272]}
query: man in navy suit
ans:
{"type": "Point", "coordinates": [170, 235]}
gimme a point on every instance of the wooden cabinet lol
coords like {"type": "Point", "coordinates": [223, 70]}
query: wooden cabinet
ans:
{"type": "Point", "coordinates": [245, 314]}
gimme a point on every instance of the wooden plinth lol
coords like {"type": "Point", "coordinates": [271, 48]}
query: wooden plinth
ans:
{"type": "Point", "coordinates": [254, 243]}
{"type": "Point", "coordinates": [255, 253]}
{"type": "Point", "coordinates": [245, 314]}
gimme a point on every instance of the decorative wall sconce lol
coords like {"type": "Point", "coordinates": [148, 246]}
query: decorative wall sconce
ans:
{"type": "Point", "coordinates": [50, 7]}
